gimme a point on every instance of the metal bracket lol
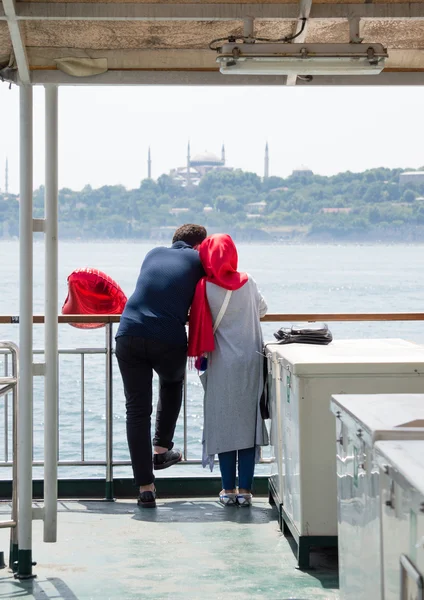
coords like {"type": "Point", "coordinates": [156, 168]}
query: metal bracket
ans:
{"type": "Point", "coordinates": [38, 225]}
{"type": "Point", "coordinates": [354, 24]}
{"type": "Point", "coordinates": [39, 369]}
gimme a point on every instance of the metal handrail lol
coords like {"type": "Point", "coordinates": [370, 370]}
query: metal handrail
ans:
{"type": "Point", "coordinates": [11, 384]}
{"type": "Point", "coordinates": [270, 317]}
{"type": "Point", "coordinates": [109, 463]}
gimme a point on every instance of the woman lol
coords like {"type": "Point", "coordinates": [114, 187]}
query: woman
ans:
{"type": "Point", "coordinates": [233, 380]}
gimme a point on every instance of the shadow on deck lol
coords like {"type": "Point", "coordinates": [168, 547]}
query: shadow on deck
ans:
{"type": "Point", "coordinates": [184, 549]}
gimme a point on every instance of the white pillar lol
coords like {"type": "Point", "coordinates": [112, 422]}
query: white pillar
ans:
{"type": "Point", "coordinates": [248, 27]}
{"type": "Point", "coordinates": [51, 313]}
{"type": "Point", "coordinates": [25, 336]}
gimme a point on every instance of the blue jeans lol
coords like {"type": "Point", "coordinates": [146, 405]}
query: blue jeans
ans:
{"type": "Point", "coordinates": [246, 468]}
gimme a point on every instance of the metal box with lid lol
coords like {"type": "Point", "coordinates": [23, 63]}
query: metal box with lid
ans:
{"type": "Point", "coordinates": [402, 518]}
{"type": "Point", "coordinates": [361, 421]}
{"type": "Point", "coordinates": [309, 375]}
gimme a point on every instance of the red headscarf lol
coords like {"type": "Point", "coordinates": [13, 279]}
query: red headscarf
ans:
{"type": "Point", "coordinates": [219, 259]}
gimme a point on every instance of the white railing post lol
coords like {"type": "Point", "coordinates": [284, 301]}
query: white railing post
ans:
{"type": "Point", "coordinates": [51, 312]}
{"type": "Point", "coordinates": [25, 336]}
{"type": "Point", "coordinates": [109, 412]}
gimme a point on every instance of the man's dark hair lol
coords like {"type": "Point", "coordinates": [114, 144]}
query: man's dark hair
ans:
{"type": "Point", "coordinates": [190, 234]}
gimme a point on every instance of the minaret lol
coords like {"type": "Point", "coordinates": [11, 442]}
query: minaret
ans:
{"type": "Point", "coordinates": [6, 177]}
{"type": "Point", "coordinates": [188, 164]}
{"type": "Point", "coordinates": [266, 166]}
{"type": "Point", "coordinates": [149, 165]}
{"type": "Point", "coordinates": [223, 154]}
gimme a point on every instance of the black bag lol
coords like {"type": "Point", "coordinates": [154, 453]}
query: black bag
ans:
{"type": "Point", "coordinates": [304, 333]}
{"type": "Point", "coordinates": [264, 401]}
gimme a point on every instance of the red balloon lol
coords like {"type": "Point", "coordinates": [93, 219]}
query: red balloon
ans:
{"type": "Point", "coordinates": [91, 292]}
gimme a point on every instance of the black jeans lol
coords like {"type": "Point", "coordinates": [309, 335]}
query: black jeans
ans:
{"type": "Point", "coordinates": [137, 358]}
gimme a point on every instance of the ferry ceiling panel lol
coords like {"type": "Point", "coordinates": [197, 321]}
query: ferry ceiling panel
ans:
{"type": "Point", "coordinates": [89, 43]}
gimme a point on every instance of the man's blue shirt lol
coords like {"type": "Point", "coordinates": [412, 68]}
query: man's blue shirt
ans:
{"type": "Point", "coordinates": [158, 308]}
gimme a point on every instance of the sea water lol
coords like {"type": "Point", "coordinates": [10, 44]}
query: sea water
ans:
{"type": "Point", "coordinates": [293, 279]}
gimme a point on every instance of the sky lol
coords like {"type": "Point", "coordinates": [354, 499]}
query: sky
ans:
{"type": "Point", "coordinates": [105, 132]}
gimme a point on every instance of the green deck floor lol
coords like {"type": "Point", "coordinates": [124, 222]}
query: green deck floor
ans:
{"type": "Point", "coordinates": [184, 549]}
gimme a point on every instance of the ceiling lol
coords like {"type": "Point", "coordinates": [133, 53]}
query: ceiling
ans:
{"type": "Point", "coordinates": [87, 43]}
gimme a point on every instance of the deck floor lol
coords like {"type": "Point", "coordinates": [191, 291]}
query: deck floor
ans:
{"type": "Point", "coordinates": [184, 549]}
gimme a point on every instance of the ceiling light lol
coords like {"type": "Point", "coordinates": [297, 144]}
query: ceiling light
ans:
{"type": "Point", "coordinates": [301, 59]}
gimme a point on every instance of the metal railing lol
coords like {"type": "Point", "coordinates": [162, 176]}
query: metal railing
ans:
{"type": "Point", "coordinates": [9, 384]}
{"type": "Point", "coordinates": [109, 463]}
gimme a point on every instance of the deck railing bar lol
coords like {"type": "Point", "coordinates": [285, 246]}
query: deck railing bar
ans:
{"type": "Point", "coordinates": [7, 524]}
{"type": "Point", "coordinates": [87, 350]}
{"type": "Point", "coordinates": [11, 348]}
{"type": "Point", "coordinates": [103, 463]}
{"type": "Point", "coordinates": [6, 416]}
{"type": "Point", "coordinates": [14, 532]}
{"type": "Point", "coordinates": [286, 317]}
{"type": "Point", "coordinates": [82, 406]}
{"type": "Point", "coordinates": [73, 463]}
{"type": "Point", "coordinates": [109, 412]}
{"type": "Point", "coordinates": [6, 389]}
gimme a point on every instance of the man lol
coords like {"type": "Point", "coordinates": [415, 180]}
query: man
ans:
{"type": "Point", "coordinates": [152, 337]}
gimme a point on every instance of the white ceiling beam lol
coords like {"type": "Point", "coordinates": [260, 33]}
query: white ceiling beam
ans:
{"type": "Point", "coordinates": [154, 78]}
{"type": "Point", "coordinates": [18, 45]}
{"type": "Point", "coordinates": [301, 30]}
{"type": "Point", "coordinates": [181, 60]}
{"type": "Point", "coordinates": [215, 78]}
{"type": "Point", "coordinates": [93, 11]}
{"type": "Point", "coordinates": [151, 12]}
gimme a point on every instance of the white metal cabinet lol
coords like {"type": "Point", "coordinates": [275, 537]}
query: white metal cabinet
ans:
{"type": "Point", "coordinates": [402, 518]}
{"type": "Point", "coordinates": [310, 375]}
{"type": "Point", "coordinates": [361, 420]}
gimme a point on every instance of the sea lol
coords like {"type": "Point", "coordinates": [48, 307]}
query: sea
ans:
{"type": "Point", "coordinates": [293, 279]}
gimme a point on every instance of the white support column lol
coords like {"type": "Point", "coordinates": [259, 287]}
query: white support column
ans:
{"type": "Point", "coordinates": [248, 27]}
{"type": "Point", "coordinates": [51, 312]}
{"type": "Point", "coordinates": [25, 336]}
{"type": "Point", "coordinates": [300, 31]}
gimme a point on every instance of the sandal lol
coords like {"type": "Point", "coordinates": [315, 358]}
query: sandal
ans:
{"type": "Point", "coordinates": [227, 499]}
{"type": "Point", "coordinates": [244, 499]}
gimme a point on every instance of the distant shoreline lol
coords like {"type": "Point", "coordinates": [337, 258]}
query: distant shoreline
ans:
{"type": "Point", "coordinates": [260, 242]}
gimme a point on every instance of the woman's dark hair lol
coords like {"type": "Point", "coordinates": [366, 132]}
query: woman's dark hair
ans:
{"type": "Point", "coordinates": [193, 235]}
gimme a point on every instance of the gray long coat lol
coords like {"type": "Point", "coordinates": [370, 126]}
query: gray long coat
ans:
{"type": "Point", "coordinates": [234, 378]}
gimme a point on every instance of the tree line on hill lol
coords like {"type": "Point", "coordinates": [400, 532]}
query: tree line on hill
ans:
{"type": "Point", "coordinates": [346, 205]}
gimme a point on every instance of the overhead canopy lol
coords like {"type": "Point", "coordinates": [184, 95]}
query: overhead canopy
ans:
{"type": "Point", "coordinates": [157, 43]}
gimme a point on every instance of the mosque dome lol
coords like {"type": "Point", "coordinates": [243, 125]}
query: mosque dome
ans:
{"type": "Point", "coordinates": [302, 170]}
{"type": "Point", "coordinates": [206, 158]}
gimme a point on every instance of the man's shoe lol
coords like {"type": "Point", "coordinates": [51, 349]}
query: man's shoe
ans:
{"type": "Point", "coordinates": [167, 459]}
{"type": "Point", "coordinates": [147, 499]}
